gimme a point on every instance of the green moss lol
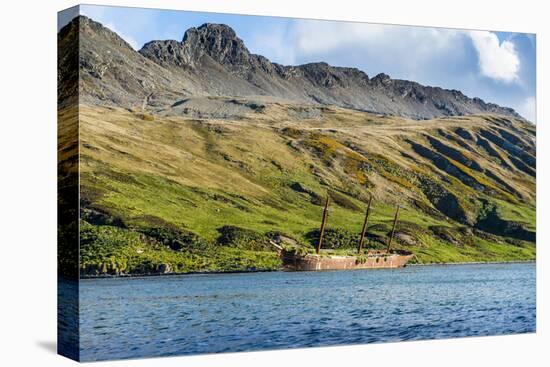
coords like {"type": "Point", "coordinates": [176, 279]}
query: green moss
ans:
{"type": "Point", "coordinates": [434, 250]}
{"type": "Point", "coordinates": [520, 213]}
{"type": "Point", "coordinates": [115, 251]}
{"type": "Point", "coordinates": [242, 238]}
{"type": "Point", "coordinates": [334, 238]}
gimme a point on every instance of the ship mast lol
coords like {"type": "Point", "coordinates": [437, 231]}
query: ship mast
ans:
{"type": "Point", "coordinates": [323, 223]}
{"type": "Point", "coordinates": [393, 229]}
{"type": "Point", "coordinates": [364, 229]}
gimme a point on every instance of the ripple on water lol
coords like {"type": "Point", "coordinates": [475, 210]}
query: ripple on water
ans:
{"type": "Point", "coordinates": [159, 316]}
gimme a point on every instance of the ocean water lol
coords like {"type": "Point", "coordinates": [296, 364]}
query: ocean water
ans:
{"type": "Point", "coordinates": [214, 313]}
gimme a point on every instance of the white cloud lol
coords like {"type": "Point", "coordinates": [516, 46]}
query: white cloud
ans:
{"type": "Point", "coordinates": [497, 60]}
{"type": "Point", "coordinates": [318, 37]}
{"type": "Point", "coordinates": [449, 58]}
{"type": "Point", "coordinates": [528, 109]}
{"type": "Point", "coordinates": [410, 49]}
{"type": "Point", "coordinates": [426, 55]}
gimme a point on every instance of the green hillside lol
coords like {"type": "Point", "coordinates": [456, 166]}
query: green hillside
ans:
{"type": "Point", "coordinates": [182, 191]}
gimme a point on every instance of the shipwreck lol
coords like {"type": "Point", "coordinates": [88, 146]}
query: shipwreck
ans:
{"type": "Point", "coordinates": [370, 259]}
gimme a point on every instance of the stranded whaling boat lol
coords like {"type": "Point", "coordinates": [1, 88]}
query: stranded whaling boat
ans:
{"type": "Point", "coordinates": [372, 259]}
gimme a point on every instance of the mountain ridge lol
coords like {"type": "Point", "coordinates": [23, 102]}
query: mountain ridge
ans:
{"type": "Point", "coordinates": [212, 60]}
{"type": "Point", "coordinates": [191, 158]}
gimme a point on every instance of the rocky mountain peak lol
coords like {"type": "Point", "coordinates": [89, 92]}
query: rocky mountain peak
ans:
{"type": "Point", "coordinates": [212, 31]}
{"type": "Point", "coordinates": [91, 29]}
{"type": "Point", "coordinates": [382, 78]}
{"type": "Point", "coordinates": [212, 60]}
{"type": "Point", "coordinates": [219, 41]}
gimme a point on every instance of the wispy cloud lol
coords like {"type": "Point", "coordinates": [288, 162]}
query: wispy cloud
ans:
{"type": "Point", "coordinates": [371, 46]}
{"type": "Point", "coordinates": [319, 37]}
{"type": "Point", "coordinates": [273, 43]}
{"type": "Point", "coordinates": [528, 109]}
{"type": "Point", "coordinates": [129, 23]}
{"type": "Point", "coordinates": [131, 41]}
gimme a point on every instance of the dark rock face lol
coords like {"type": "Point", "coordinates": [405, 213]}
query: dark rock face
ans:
{"type": "Point", "coordinates": [405, 239]}
{"type": "Point", "coordinates": [219, 42]}
{"type": "Point", "coordinates": [213, 60]}
{"type": "Point", "coordinates": [167, 53]}
{"type": "Point", "coordinates": [493, 223]}
{"type": "Point", "coordinates": [164, 269]}
{"type": "Point", "coordinates": [67, 64]}
{"type": "Point", "coordinates": [381, 79]}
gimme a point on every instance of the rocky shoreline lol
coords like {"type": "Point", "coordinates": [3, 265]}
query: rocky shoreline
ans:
{"type": "Point", "coordinates": [110, 276]}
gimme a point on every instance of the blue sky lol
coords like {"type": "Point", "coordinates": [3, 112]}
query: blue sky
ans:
{"type": "Point", "coordinates": [498, 67]}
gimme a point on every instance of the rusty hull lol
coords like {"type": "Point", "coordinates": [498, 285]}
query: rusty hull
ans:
{"type": "Point", "coordinates": [313, 262]}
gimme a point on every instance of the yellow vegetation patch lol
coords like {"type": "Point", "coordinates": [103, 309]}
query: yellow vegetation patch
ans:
{"type": "Point", "coordinates": [481, 180]}
{"type": "Point", "coordinates": [146, 117]}
{"type": "Point", "coordinates": [398, 180]}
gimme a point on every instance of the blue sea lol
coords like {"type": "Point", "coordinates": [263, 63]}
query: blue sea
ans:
{"type": "Point", "coordinates": [215, 313]}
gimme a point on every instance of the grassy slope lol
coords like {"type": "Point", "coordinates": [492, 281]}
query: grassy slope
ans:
{"type": "Point", "coordinates": [199, 175]}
